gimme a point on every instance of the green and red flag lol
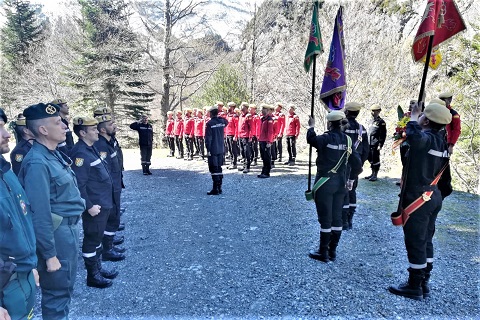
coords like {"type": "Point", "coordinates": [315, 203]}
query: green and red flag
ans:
{"type": "Point", "coordinates": [315, 45]}
{"type": "Point", "coordinates": [442, 20]}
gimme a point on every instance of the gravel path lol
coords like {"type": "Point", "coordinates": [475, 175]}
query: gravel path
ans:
{"type": "Point", "coordinates": [243, 254]}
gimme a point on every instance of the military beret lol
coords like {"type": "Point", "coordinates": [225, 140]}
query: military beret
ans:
{"type": "Point", "coordinates": [219, 103]}
{"type": "Point", "coordinates": [437, 113]}
{"type": "Point", "coordinates": [271, 107]}
{"type": "Point", "coordinates": [335, 115]}
{"type": "Point", "coordinates": [253, 106]}
{"type": "Point", "coordinates": [59, 101]}
{"type": "Point", "coordinates": [215, 107]}
{"type": "Point", "coordinates": [279, 104]}
{"type": "Point", "coordinates": [188, 110]}
{"type": "Point", "coordinates": [439, 101]}
{"type": "Point", "coordinates": [244, 104]}
{"type": "Point", "coordinates": [292, 106]}
{"type": "Point", "coordinates": [100, 111]}
{"type": "Point", "coordinates": [169, 112]}
{"type": "Point", "coordinates": [353, 106]}
{"type": "Point", "coordinates": [41, 111]}
{"type": "Point", "coordinates": [103, 118]}
{"type": "Point", "coordinates": [84, 121]}
{"type": "Point", "coordinates": [264, 106]}
{"type": "Point", "coordinates": [445, 95]}
{"type": "Point", "coordinates": [232, 104]}
{"type": "Point", "coordinates": [200, 111]}
{"type": "Point", "coordinates": [3, 115]}
{"type": "Point", "coordinates": [21, 121]}
{"type": "Point", "coordinates": [375, 107]}
{"type": "Point", "coordinates": [179, 112]}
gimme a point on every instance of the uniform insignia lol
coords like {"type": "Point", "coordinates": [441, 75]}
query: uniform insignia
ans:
{"type": "Point", "coordinates": [79, 162]}
{"type": "Point", "coordinates": [425, 197]}
{"type": "Point", "coordinates": [24, 207]}
{"type": "Point", "coordinates": [19, 157]}
{"type": "Point", "coordinates": [50, 109]}
{"type": "Point", "coordinates": [103, 155]}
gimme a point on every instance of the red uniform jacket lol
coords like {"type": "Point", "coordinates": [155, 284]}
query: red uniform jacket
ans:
{"type": "Point", "coordinates": [178, 127]}
{"type": "Point", "coordinates": [281, 123]}
{"type": "Point", "coordinates": [188, 125]}
{"type": "Point", "coordinates": [231, 128]}
{"type": "Point", "coordinates": [293, 126]}
{"type": "Point", "coordinates": [275, 126]}
{"type": "Point", "coordinates": [256, 125]}
{"type": "Point", "coordinates": [199, 127]}
{"type": "Point", "coordinates": [169, 127]}
{"type": "Point", "coordinates": [266, 130]}
{"type": "Point", "coordinates": [454, 128]}
{"type": "Point", "coordinates": [245, 126]}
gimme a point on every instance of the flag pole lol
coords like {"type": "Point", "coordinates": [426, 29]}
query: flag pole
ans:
{"type": "Point", "coordinates": [425, 70]}
{"type": "Point", "coordinates": [311, 114]}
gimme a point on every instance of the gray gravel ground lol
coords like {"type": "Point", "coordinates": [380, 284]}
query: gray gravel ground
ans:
{"type": "Point", "coordinates": [243, 255]}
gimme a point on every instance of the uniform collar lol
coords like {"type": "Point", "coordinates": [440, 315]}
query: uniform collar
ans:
{"type": "Point", "coordinates": [4, 165]}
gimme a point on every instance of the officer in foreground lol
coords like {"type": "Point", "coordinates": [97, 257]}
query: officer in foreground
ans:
{"type": "Point", "coordinates": [18, 260]}
{"type": "Point", "coordinates": [52, 190]}
{"type": "Point", "coordinates": [96, 188]}
{"type": "Point", "coordinates": [214, 142]}
{"type": "Point", "coordinates": [66, 145]}
{"type": "Point", "coordinates": [24, 143]}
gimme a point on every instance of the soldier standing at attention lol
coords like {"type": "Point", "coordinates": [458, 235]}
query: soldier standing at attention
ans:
{"type": "Point", "coordinates": [56, 203]}
{"type": "Point", "coordinates": [427, 157]}
{"type": "Point", "coordinates": [359, 137]}
{"type": "Point", "coordinates": [245, 128]}
{"type": "Point", "coordinates": [106, 130]}
{"type": "Point", "coordinates": [17, 243]}
{"type": "Point", "coordinates": [214, 142]}
{"type": "Point", "coordinates": [256, 123]}
{"type": "Point", "coordinates": [231, 135]}
{"type": "Point", "coordinates": [266, 137]}
{"type": "Point", "coordinates": [292, 132]}
{"type": "Point", "coordinates": [169, 133]}
{"type": "Point", "coordinates": [334, 149]}
{"type": "Point", "coordinates": [178, 132]}
{"type": "Point", "coordinates": [377, 136]}
{"type": "Point", "coordinates": [66, 145]}
{"type": "Point", "coordinates": [281, 128]}
{"type": "Point", "coordinates": [454, 128]}
{"type": "Point", "coordinates": [145, 140]}
{"type": "Point", "coordinates": [273, 149]}
{"type": "Point", "coordinates": [199, 133]}
{"type": "Point", "coordinates": [24, 143]}
{"type": "Point", "coordinates": [188, 133]}
{"type": "Point", "coordinates": [96, 188]}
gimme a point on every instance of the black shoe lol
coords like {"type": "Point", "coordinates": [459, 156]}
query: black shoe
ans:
{"type": "Point", "coordinates": [263, 176]}
{"type": "Point", "coordinates": [287, 162]}
{"type": "Point", "coordinates": [97, 281]}
{"type": "Point", "coordinates": [109, 274]}
{"type": "Point", "coordinates": [119, 249]}
{"type": "Point", "coordinates": [234, 166]}
{"type": "Point", "coordinates": [118, 240]}
{"type": "Point", "coordinates": [405, 290]}
{"type": "Point", "coordinates": [121, 227]}
{"type": "Point", "coordinates": [318, 256]}
{"type": "Point", "coordinates": [112, 255]}
{"type": "Point", "coordinates": [213, 192]}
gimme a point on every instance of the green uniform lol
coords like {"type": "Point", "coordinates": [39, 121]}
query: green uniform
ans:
{"type": "Point", "coordinates": [56, 206]}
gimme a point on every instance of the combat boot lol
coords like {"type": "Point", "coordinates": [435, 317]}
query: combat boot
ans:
{"type": "Point", "coordinates": [109, 254]}
{"type": "Point", "coordinates": [371, 174]}
{"type": "Point", "coordinates": [108, 274]}
{"type": "Point", "coordinates": [345, 218]}
{"type": "Point", "coordinates": [219, 183]}
{"type": "Point", "coordinates": [94, 278]}
{"type": "Point", "coordinates": [413, 287]}
{"type": "Point", "coordinates": [350, 219]}
{"type": "Point", "coordinates": [118, 240]}
{"type": "Point", "coordinates": [332, 247]}
{"type": "Point", "coordinates": [144, 169]}
{"type": "Point", "coordinates": [148, 169]}
{"type": "Point", "coordinates": [119, 249]}
{"type": "Point", "coordinates": [322, 253]}
{"type": "Point", "coordinates": [374, 176]}
{"type": "Point", "coordinates": [427, 273]}
{"type": "Point", "coordinates": [214, 191]}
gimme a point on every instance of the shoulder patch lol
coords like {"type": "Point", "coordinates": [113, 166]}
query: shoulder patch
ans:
{"type": "Point", "coordinates": [79, 162]}
{"type": "Point", "coordinates": [456, 116]}
{"type": "Point", "coordinates": [19, 157]}
{"type": "Point", "coordinates": [103, 155]}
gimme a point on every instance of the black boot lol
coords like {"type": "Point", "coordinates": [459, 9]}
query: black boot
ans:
{"type": "Point", "coordinates": [220, 181]}
{"type": "Point", "coordinates": [148, 169]}
{"type": "Point", "coordinates": [413, 287]}
{"type": "Point", "coordinates": [118, 240]}
{"type": "Point", "coordinates": [332, 247]}
{"type": "Point", "coordinates": [322, 253]}
{"type": "Point", "coordinates": [144, 169]}
{"type": "Point", "coordinates": [119, 249]}
{"type": "Point", "coordinates": [350, 218]}
{"type": "Point", "coordinates": [108, 274]}
{"type": "Point", "coordinates": [214, 191]}
{"type": "Point", "coordinates": [109, 254]}
{"type": "Point", "coordinates": [345, 219]}
{"type": "Point", "coordinates": [425, 287]}
{"type": "Point", "coordinates": [121, 226]}
{"type": "Point", "coordinates": [368, 177]}
{"type": "Point", "coordinates": [94, 278]}
{"type": "Point", "coordinates": [374, 175]}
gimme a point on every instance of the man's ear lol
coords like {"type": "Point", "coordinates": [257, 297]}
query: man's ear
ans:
{"type": "Point", "coordinates": [43, 130]}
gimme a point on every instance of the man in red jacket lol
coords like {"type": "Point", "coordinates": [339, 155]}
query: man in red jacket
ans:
{"type": "Point", "coordinates": [255, 132]}
{"type": "Point", "coordinates": [292, 131]}
{"type": "Point", "coordinates": [199, 133]}
{"type": "Point", "coordinates": [244, 133]}
{"type": "Point", "coordinates": [169, 133]}
{"type": "Point", "coordinates": [454, 128]}
{"type": "Point", "coordinates": [231, 133]}
{"type": "Point", "coordinates": [280, 129]}
{"type": "Point", "coordinates": [266, 137]}
{"type": "Point", "coordinates": [178, 132]}
{"type": "Point", "coordinates": [188, 130]}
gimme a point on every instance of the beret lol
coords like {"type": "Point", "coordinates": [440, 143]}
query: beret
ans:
{"type": "Point", "coordinates": [291, 105]}
{"type": "Point", "coordinates": [271, 107]}
{"type": "Point", "coordinates": [3, 116]}
{"type": "Point", "coordinates": [232, 104]}
{"type": "Point", "coordinates": [279, 104]}
{"type": "Point", "coordinates": [253, 106]}
{"type": "Point", "coordinates": [375, 107]}
{"type": "Point", "coordinates": [188, 110]}
{"type": "Point", "coordinates": [41, 111]}
{"type": "Point", "coordinates": [179, 112]}
{"type": "Point", "coordinates": [215, 107]}
{"type": "Point", "coordinates": [219, 103]}
{"type": "Point", "coordinates": [335, 115]}
{"type": "Point", "coordinates": [169, 112]}
{"type": "Point", "coordinates": [437, 113]}
{"type": "Point", "coordinates": [439, 101]}
{"type": "Point", "coordinates": [244, 104]}
{"type": "Point", "coordinates": [353, 106]}
{"type": "Point", "coordinates": [84, 121]}
{"type": "Point", "coordinates": [103, 118]}
{"type": "Point", "coordinates": [445, 95]}
{"type": "Point", "coordinates": [59, 101]}
{"type": "Point", "coordinates": [100, 111]}
{"type": "Point", "coordinates": [21, 121]}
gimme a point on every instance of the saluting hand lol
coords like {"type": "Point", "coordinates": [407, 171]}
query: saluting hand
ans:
{"type": "Point", "coordinates": [94, 210]}
{"type": "Point", "coordinates": [53, 264]}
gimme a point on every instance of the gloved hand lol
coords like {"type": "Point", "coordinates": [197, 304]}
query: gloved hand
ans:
{"type": "Point", "coordinates": [311, 122]}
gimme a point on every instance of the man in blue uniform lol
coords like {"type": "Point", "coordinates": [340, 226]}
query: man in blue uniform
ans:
{"type": "Point", "coordinates": [422, 199]}
{"type": "Point", "coordinates": [145, 140]}
{"type": "Point", "coordinates": [96, 188]}
{"type": "Point", "coordinates": [214, 142]}
{"type": "Point", "coordinates": [106, 148]}
{"type": "Point", "coordinates": [24, 143]}
{"type": "Point", "coordinates": [377, 134]}
{"type": "Point", "coordinates": [17, 241]}
{"type": "Point", "coordinates": [63, 111]}
{"type": "Point", "coordinates": [56, 204]}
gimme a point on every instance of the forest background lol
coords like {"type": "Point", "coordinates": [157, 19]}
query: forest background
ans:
{"type": "Point", "coordinates": [149, 57]}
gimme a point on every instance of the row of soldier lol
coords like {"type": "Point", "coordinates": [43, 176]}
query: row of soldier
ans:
{"type": "Point", "coordinates": [61, 183]}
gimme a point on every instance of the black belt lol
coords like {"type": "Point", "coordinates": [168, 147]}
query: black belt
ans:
{"type": "Point", "coordinates": [70, 220]}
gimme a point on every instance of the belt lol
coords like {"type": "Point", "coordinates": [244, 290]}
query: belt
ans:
{"type": "Point", "coordinates": [70, 220]}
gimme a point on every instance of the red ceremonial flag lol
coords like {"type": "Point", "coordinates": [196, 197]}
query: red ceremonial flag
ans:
{"type": "Point", "coordinates": [440, 20]}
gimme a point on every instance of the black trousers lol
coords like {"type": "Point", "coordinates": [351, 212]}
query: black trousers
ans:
{"type": "Point", "coordinates": [246, 149]}
{"type": "Point", "coordinates": [113, 220]}
{"type": "Point", "coordinates": [232, 148]}
{"type": "Point", "coordinates": [171, 145]}
{"type": "Point", "coordinates": [179, 142]}
{"type": "Point", "coordinates": [350, 199]}
{"type": "Point", "coordinates": [279, 148]}
{"type": "Point", "coordinates": [146, 154]}
{"type": "Point", "coordinates": [265, 153]}
{"type": "Point", "coordinates": [200, 143]}
{"type": "Point", "coordinates": [329, 202]}
{"type": "Point", "coordinates": [254, 148]}
{"type": "Point", "coordinates": [93, 228]}
{"type": "Point", "coordinates": [189, 144]}
{"type": "Point", "coordinates": [292, 147]}
{"type": "Point", "coordinates": [273, 150]}
{"type": "Point", "coordinates": [374, 157]}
